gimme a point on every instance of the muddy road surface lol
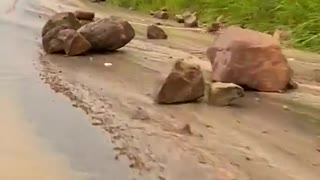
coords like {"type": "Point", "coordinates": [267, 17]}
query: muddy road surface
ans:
{"type": "Point", "coordinates": [91, 121]}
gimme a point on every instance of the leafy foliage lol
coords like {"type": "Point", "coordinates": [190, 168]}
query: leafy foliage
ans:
{"type": "Point", "coordinates": [300, 17]}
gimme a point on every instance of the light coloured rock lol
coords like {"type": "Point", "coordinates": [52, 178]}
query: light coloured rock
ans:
{"type": "Point", "coordinates": [184, 84]}
{"type": "Point", "coordinates": [179, 18]}
{"type": "Point", "coordinates": [223, 94]}
{"type": "Point", "coordinates": [249, 58]}
{"type": "Point", "coordinates": [191, 21]}
{"type": "Point", "coordinates": [161, 15]}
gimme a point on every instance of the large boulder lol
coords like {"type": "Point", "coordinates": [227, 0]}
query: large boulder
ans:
{"type": "Point", "coordinates": [66, 19]}
{"type": "Point", "coordinates": [223, 94]}
{"type": "Point", "coordinates": [108, 34]}
{"type": "Point", "coordinates": [51, 42]}
{"type": "Point", "coordinates": [249, 58]}
{"type": "Point", "coordinates": [185, 83]}
{"type": "Point", "coordinates": [84, 15]}
{"type": "Point", "coordinates": [155, 32]}
{"type": "Point", "coordinates": [191, 21]}
{"type": "Point", "coordinates": [74, 42]}
{"type": "Point", "coordinates": [161, 15]}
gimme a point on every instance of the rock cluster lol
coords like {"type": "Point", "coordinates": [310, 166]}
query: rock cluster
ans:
{"type": "Point", "coordinates": [77, 33]}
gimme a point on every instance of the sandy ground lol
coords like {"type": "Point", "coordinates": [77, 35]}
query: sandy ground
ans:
{"type": "Point", "coordinates": [258, 139]}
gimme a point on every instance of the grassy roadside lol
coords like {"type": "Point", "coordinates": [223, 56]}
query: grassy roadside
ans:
{"type": "Point", "coordinates": [299, 17]}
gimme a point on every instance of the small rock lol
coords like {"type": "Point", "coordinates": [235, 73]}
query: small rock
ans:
{"type": "Point", "coordinates": [292, 85]}
{"type": "Point", "coordinates": [223, 94]}
{"type": "Point", "coordinates": [161, 15]}
{"type": "Point", "coordinates": [155, 32]}
{"type": "Point", "coordinates": [191, 21]}
{"type": "Point", "coordinates": [141, 114]}
{"type": "Point", "coordinates": [214, 27]}
{"type": "Point", "coordinates": [84, 15]}
{"type": "Point", "coordinates": [185, 83]}
{"type": "Point", "coordinates": [186, 15]}
{"type": "Point", "coordinates": [96, 122]}
{"type": "Point", "coordinates": [248, 158]}
{"type": "Point", "coordinates": [285, 107]}
{"type": "Point", "coordinates": [318, 149]}
{"type": "Point", "coordinates": [179, 18]}
{"type": "Point", "coordinates": [186, 130]}
{"type": "Point", "coordinates": [152, 13]}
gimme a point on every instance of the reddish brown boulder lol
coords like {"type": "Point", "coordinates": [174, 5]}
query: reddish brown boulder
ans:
{"type": "Point", "coordinates": [84, 15]}
{"type": "Point", "coordinates": [155, 32]}
{"type": "Point", "coordinates": [74, 42]}
{"type": "Point", "coordinates": [66, 19]}
{"type": "Point", "coordinates": [249, 58]}
{"type": "Point", "coordinates": [185, 83]}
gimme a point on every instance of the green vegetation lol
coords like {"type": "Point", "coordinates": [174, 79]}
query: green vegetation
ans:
{"type": "Point", "coordinates": [300, 17]}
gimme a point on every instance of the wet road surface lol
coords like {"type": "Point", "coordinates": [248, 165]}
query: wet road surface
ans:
{"type": "Point", "coordinates": [42, 136]}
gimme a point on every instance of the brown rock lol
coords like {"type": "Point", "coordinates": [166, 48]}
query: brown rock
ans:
{"type": "Point", "coordinates": [185, 83]}
{"type": "Point", "coordinates": [84, 15]}
{"type": "Point", "coordinates": [161, 15]}
{"type": "Point", "coordinates": [155, 32]}
{"type": "Point", "coordinates": [66, 19]}
{"type": "Point", "coordinates": [214, 27]}
{"type": "Point", "coordinates": [292, 85]}
{"type": "Point", "coordinates": [74, 42]}
{"type": "Point", "coordinates": [108, 34]}
{"type": "Point", "coordinates": [191, 21]}
{"type": "Point", "coordinates": [179, 18]}
{"type": "Point", "coordinates": [51, 43]}
{"type": "Point", "coordinates": [249, 58]}
{"type": "Point", "coordinates": [223, 94]}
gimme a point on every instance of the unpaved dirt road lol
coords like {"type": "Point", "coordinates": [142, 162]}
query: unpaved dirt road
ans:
{"type": "Point", "coordinates": [257, 140]}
